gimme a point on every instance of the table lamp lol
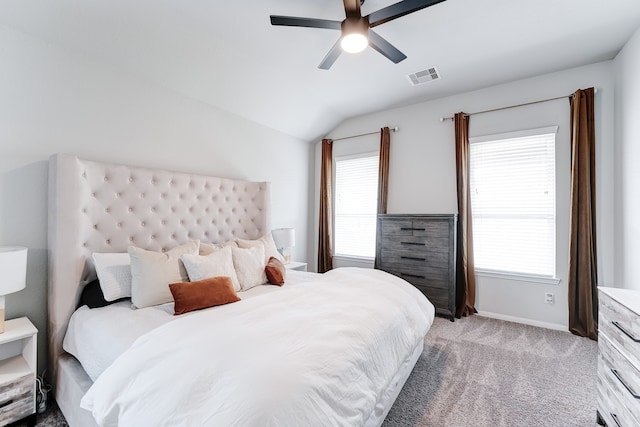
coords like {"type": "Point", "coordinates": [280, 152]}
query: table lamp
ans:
{"type": "Point", "coordinates": [285, 239]}
{"type": "Point", "coordinates": [13, 274]}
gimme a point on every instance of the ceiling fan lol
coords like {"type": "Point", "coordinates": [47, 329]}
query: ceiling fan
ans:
{"type": "Point", "coordinates": [356, 29]}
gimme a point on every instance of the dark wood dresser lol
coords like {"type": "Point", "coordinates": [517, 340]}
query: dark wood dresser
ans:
{"type": "Point", "coordinates": [422, 250]}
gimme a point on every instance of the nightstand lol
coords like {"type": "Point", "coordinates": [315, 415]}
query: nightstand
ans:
{"type": "Point", "coordinates": [18, 371]}
{"type": "Point", "coordinates": [293, 265]}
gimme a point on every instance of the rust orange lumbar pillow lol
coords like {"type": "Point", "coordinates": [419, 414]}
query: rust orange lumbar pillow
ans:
{"type": "Point", "coordinates": [190, 296]}
{"type": "Point", "coordinates": [275, 270]}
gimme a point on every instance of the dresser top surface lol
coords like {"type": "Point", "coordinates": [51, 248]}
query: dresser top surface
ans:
{"type": "Point", "coordinates": [627, 297]}
{"type": "Point", "coordinates": [418, 216]}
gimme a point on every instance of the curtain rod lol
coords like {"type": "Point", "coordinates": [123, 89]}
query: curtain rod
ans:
{"type": "Point", "coordinates": [442, 119]}
{"type": "Point", "coordinates": [393, 129]}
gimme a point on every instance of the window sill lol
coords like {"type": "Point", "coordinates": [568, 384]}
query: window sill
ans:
{"type": "Point", "coordinates": [354, 258]}
{"type": "Point", "coordinates": [518, 277]}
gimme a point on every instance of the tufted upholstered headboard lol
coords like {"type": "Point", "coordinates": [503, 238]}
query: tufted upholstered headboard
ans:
{"type": "Point", "coordinates": [101, 207]}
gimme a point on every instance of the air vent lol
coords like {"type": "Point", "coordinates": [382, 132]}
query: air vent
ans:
{"type": "Point", "coordinates": [428, 75]}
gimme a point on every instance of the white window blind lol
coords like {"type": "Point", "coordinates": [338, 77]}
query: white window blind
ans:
{"type": "Point", "coordinates": [356, 205]}
{"type": "Point", "coordinates": [513, 204]}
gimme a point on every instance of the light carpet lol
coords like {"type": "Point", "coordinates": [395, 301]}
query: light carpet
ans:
{"type": "Point", "coordinates": [52, 417]}
{"type": "Point", "coordinates": [485, 372]}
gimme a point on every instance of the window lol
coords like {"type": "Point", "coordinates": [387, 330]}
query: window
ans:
{"type": "Point", "coordinates": [512, 178]}
{"type": "Point", "coordinates": [356, 205]}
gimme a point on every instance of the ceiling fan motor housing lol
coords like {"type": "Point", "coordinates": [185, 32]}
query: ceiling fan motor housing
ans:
{"type": "Point", "coordinates": [355, 25]}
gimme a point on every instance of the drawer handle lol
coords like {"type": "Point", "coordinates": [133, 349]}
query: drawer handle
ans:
{"type": "Point", "coordinates": [624, 383]}
{"type": "Point", "coordinates": [413, 243]}
{"type": "Point", "coordinates": [615, 419]}
{"type": "Point", "coordinates": [412, 275]}
{"type": "Point", "coordinates": [7, 403]}
{"type": "Point", "coordinates": [625, 331]}
{"type": "Point", "coordinates": [412, 229]}
{"type": "Point", "coordinates": [419, 229]}
{"type": "Point", "coordinates": [413, 258]}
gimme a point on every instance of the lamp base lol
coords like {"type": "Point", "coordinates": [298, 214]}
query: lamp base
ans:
{"type": "Point", "coordinates": [286, 255]}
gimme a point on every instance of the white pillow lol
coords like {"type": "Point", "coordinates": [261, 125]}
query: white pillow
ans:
{"type": "Point", "coordinates": [218, 263]}
{"type": "Point", "coordinates": [209, 248]}
{"type": "Point", "coordinates": [270, 249]}
{"type": "Point", "coordinates": [152, 272]}
{"type": "Point", "coordinates": [114, 274]}
{"type": "Point", "coordinates": [249, 264]}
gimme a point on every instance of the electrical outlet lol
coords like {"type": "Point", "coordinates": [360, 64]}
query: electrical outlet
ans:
{"type": "Point", "coordinates": [549, 298]}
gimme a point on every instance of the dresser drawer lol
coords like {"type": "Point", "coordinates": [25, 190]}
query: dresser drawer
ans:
{"type": "Point", "coordinates": [17, 399]}
{"type": "Point", "coordinates": [415, 260]}
{"type": "Point", "coordinates": [613, 413]}
{"type": "Point", "coordinates": [416, 245]}
{"type": "Point", "coordinates": [621, 326]}
{"type": "Point", "coordinates": [396, 227]}
{"type": "Point", "coordinates": [424, 276]}
{"type": "Point", "coordinates": [431, 228]}
{"type": "Point", "coordinates": [620, 376]}
{"type": "Point", "coordinates": [415, 227]}
{"type": "Point", "coordinates": [438, 297]}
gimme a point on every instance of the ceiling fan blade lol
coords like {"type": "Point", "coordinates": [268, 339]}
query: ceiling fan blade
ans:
{"type": "Point", "coordinates": [352, 8]}
{"type": "Point", "coordinates": [293, 21]}
{"type": "Point", "coordinates": [331, 57]}
{"type": "Point", "coordinates": [397, 10]}
{"type": "Point", "coordinates": [385, 48]}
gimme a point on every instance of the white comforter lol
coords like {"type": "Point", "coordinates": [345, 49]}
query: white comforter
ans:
{"type": "Point", "coordinates": [317, 354]}
{"type": "Point", "coordinates": [97, 337]}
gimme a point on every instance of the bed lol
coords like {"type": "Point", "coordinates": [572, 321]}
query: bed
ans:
{"type": "Point", "coordinates": [331, 349]}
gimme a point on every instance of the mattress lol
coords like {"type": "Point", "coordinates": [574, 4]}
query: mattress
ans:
{"type": "Point", "coordinates": [96, 337]}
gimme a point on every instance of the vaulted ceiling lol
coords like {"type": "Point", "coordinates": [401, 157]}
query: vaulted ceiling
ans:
{"type": "Point", "coordinates": [228, 55]}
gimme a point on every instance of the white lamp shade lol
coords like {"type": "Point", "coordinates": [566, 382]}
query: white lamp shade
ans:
{"type": "Point", "coordinates": [13, 269]}
{"type": "Point", "coordinates": [284, 237]}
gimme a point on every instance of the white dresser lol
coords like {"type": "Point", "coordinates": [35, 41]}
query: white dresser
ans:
{"type": "Point", "coordinates": [619, 357]}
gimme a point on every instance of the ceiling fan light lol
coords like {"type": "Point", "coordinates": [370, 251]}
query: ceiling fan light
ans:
{"type": "Point", "coordinates": [354, 43]}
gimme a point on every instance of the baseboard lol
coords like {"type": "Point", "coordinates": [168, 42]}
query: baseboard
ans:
{"type": "Point", "coordinates": [547, 325]}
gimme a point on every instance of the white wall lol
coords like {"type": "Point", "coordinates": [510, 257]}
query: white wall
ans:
{"type": "Point", "coordinates": [52, 101]}
{"type": "Point", "coordinates": [422, 170]}
{"type": "Point", "coordinates": [627, 202]}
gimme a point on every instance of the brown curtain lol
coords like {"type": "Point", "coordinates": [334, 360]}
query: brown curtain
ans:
{"type": "Point", "coordinates": [465, 274]}
{"type": "Point", "coordinates": [325, 245]}
{"type": "Point", "coordinates": [383, 174]}
{"type": "Point", "coordinates": [583, 274]}
{"type": "Point", "coordinates": [383, 170]}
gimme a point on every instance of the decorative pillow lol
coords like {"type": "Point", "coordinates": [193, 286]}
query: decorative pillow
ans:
{"type": "Point", "coordinates": [209, 248]}
{"type": "Point", "coordinates": [190, 296]}
{"type": "Point", "coordinates": [114, 273]}
{"type": "Point", "coordinates": [249, 264]}
{"type": "Point", "coordinates": [219, 263]}
{"type": "Point", "coordinates": [93, 297]}
{"type": "Point", "coordinates": [270, 249]}
{"type": "Point", "coordinates": [275, 271]}
{"type": "Point", "coordinates": [153, 271]}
